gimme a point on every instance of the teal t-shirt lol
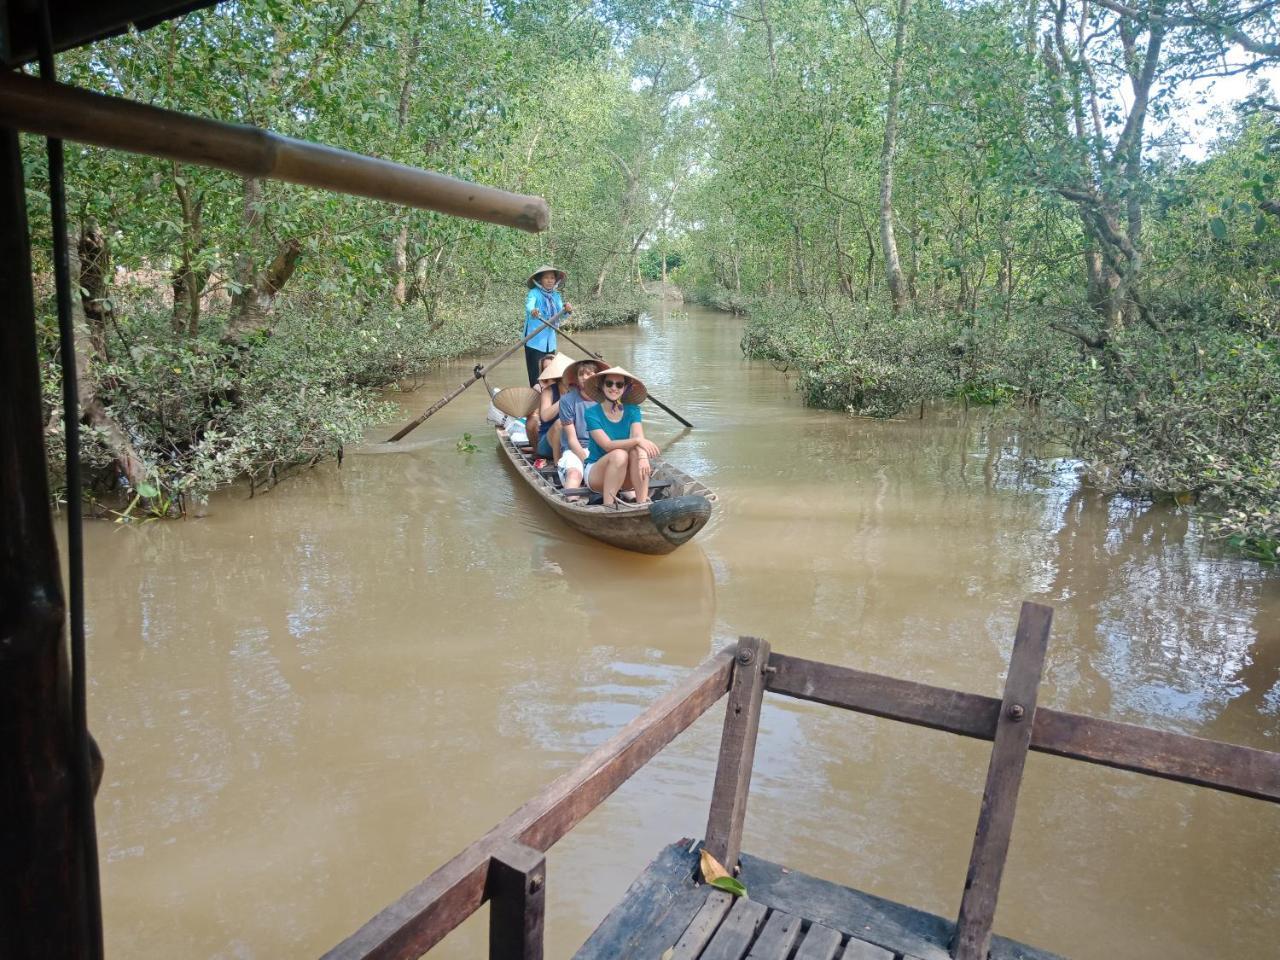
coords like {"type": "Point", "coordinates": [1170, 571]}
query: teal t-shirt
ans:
{"type": "Point", "coordinates": [596, 420]}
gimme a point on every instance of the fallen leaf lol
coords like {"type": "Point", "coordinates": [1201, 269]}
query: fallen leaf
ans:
{"type": "Point", "coordinates": [712, 869]}
{"type": "Point", "coordinates": [668, 953]}
{"type": "Point", "coordinates": [729, 885]}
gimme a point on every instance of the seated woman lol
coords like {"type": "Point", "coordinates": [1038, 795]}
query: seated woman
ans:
{"type": "Point", "coordinates": [573, 424]}
{"type": "Point", "coordinates": [619, 457]}
{"type": "Point", "coordinates": [548, 412]}
{"type": "Point", "coordinates": [533, 422]}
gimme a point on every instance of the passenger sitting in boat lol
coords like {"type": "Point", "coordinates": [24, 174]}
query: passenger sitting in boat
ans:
{"type": "Point", "coordinates": [549, 406]}
{"type": "Point", "coordinates": [620, 458]}
{"type": "Point", "coordinates": [573, 424]}
{"type": "Point", "coordinates": [533, 422]}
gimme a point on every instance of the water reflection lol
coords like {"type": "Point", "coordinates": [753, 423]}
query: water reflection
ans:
{"type": "Point", "coordinates": [311, 699]}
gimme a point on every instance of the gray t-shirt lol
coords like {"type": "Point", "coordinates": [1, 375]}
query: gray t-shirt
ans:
{"type": "Point", "coordinates": [573, 409]}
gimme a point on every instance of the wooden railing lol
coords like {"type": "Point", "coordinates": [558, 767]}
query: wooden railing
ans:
{"type": "Point", "coordinates": [420, 919]}
{"type": "Point", "coordinates": [506, 866]}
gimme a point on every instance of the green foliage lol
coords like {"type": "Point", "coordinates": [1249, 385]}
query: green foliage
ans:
{"type": "Point", "coordinates": [466, 445]}
{"type": "Point", "coordinates": [204, 396]}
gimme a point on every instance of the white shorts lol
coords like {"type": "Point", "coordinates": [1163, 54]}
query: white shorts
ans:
{"type": "Point", "coordinates": [569, 461]}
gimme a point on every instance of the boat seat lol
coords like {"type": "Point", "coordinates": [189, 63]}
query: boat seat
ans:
{"type": "Point", "coordinates": [656, 490]}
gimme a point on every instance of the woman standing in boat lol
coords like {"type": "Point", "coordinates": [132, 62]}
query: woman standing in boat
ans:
{"type": "Point", "coordinates": [619, 457]}
{"type": "Point", "coordinates": [541, 303]}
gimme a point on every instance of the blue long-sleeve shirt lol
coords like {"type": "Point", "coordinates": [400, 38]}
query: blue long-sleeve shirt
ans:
{"type": "Point", "coordinates": [548, 305]}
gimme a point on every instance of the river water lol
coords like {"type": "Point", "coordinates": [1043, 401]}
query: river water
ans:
{"type": "Point", "coordinates": [310, 699]}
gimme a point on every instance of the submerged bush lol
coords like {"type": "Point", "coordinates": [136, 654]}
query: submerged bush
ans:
{"type": "Point", "coordinates": [864, 359]}
{"type": "Point", "coordinates": [1191, 416]}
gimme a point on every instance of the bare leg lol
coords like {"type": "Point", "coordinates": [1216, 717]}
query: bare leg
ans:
{"type": "Point", "coordinates": [638, 484]}
{"type": "Point", "coordinates": [553, 437]}
{"type": "Point", "coordinates": [608, 475]}
{"type": "Point", "coordinates": [572, 480]}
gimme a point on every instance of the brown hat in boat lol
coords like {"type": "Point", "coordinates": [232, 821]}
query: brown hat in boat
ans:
{"type": "Point", "coordinates": [516, 401]}
{"type": "Point", "coordinates": [575, 375]}
{"type": "Point", "coordinates": [593, 389]}
{"type": "Point", "coordinates": [556, 368]}
{"type": "Point", "coordinates": [561, 276]}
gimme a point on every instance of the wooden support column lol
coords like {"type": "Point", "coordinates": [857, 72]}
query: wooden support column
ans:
{"type": "Point", "coordinates": [41, 891]}
{"type": "Point", "coordinates": [737, 752]}
{"type": "Point", "coordinates": [517, 893]}
{"type": "Point", "coordinates": [1004, 777]}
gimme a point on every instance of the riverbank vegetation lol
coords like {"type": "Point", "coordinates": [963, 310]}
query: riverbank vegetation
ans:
{"type": "Point", "coordinates": [233, 328]}
{"type": "Point", "coordinates": [996, 203]}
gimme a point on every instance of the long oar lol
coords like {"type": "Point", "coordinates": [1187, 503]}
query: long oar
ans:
{"type": "Point", "coordinates": [478, 375]}
{"type": "Point", "coordinates": [595, 356]}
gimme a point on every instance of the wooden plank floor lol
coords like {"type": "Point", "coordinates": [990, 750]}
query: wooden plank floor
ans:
{"type": "Point", "coordinates": [789, 916]}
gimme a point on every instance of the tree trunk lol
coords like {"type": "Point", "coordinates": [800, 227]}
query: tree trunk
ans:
{"type": "Point", "coordinates": [251, 220]}
{"type": "Point", "coordinates": [892, 264]}
{"type": "Point", "coordinates": [93, 411]}
{"type": "Point", "coordinates": [188, 281]}
{"type": "Point", "coordinates": [400, 252]}
{"type": "Point", "coordinates": [95, 269]}
{"type": "Point", "coordinates": [255, 309]}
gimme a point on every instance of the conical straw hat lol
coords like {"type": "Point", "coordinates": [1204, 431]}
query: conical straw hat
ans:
{"type": "Point", "coordinates": [546, 268]}
{"type": "Point", "coordinates": [556, 368]}
{"type": "Point", "coordinates": [593, 389]}
{"type": "Point", "coordinates": [516, 401]}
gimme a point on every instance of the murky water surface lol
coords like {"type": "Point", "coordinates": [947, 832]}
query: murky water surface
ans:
{"type": "Point", "coordinates": [311, 699]}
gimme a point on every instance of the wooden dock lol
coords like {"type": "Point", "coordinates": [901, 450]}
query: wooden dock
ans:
{"type": "Point", "coordinates": [669, 913]}
{"type": "Point", "coordinates": [789, 916]}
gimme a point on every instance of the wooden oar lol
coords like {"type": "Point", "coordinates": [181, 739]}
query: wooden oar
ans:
{"type": "Point", "coordinates": [595, 356]}
{"type": "Point", "coordinates": [478, 375]}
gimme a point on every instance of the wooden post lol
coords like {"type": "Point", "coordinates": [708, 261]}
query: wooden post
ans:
{"type": "Point", "coordinates": [1004, 777]}
{"type": "Point", "coordinates": [41, 889]}
{"type": "Point", "coordinates": [517, 892]}
{"type": "Point", "coordinates": [737, 752]}
{"type": "Point", "coordinates": [70, 113]}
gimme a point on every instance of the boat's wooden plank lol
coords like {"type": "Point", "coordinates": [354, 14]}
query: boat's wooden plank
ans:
{"type": "Point", "coordinates": [895, 926]}
{"type": "Point", "coordinates": [820, 943]}
{"type": "Point", "coordinates": [737, 931]}
{"type": "Point", "coordinates": [737, 752]}
{"type": "Point", "coordinates": [1246, 771]}
{"type": "Point", "coordinates": [657, 908]}
{"type": "Point", "coordinates": [417, 921]}
{"type": "Point", "coordinates": [857, 949]}
{"type": "Point", "coordinates": [1004, 780]}
{"type": "Point", "coordinates": [703, 926]}
{"type": "Point", "coordinates": [777, 938]}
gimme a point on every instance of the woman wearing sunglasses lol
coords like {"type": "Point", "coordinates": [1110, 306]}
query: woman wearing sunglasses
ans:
{"type": "Point", "coordinates": [619, 457]}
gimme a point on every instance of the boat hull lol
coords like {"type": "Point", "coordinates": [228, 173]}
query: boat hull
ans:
{"type": "Point", "coordinates": [655, 528]}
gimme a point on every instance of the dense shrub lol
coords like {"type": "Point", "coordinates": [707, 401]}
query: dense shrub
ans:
{"type": "Point", "coordinates": [202, 413]}
{"type": "Point", "coordinates": [864, 359]}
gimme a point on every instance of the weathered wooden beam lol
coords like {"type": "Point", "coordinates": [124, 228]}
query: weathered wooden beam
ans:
{"type": "Point", "coordinates": [423, 916]}
{"type": "Point", "coordinates": [737, 752]}
{"type": "Point", "coordinates": [1004, 780]}
{"type": "Point", "coordinates": [516, 890]}
{"type": "Point", "coordinates": [41, 888]}
{"type": "Point", "coordinates": [1245, 771]}
{"type": "Point", "coordinates": [69, 113]}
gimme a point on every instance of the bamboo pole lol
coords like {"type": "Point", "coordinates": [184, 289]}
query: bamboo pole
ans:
{"type": "Point", "coordinates": [69, 113]}
{"type": "Point", "coordinates": [595, 356]}
{"type": "Point", "coordinates": [478, 375]}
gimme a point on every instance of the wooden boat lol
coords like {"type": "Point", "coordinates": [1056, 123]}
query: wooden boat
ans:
{"type": "Point", "coordinates": [681, 506]}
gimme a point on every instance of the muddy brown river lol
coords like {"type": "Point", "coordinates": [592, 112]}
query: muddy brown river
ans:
{"type": "Point", "coordinates": [311, 699]}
